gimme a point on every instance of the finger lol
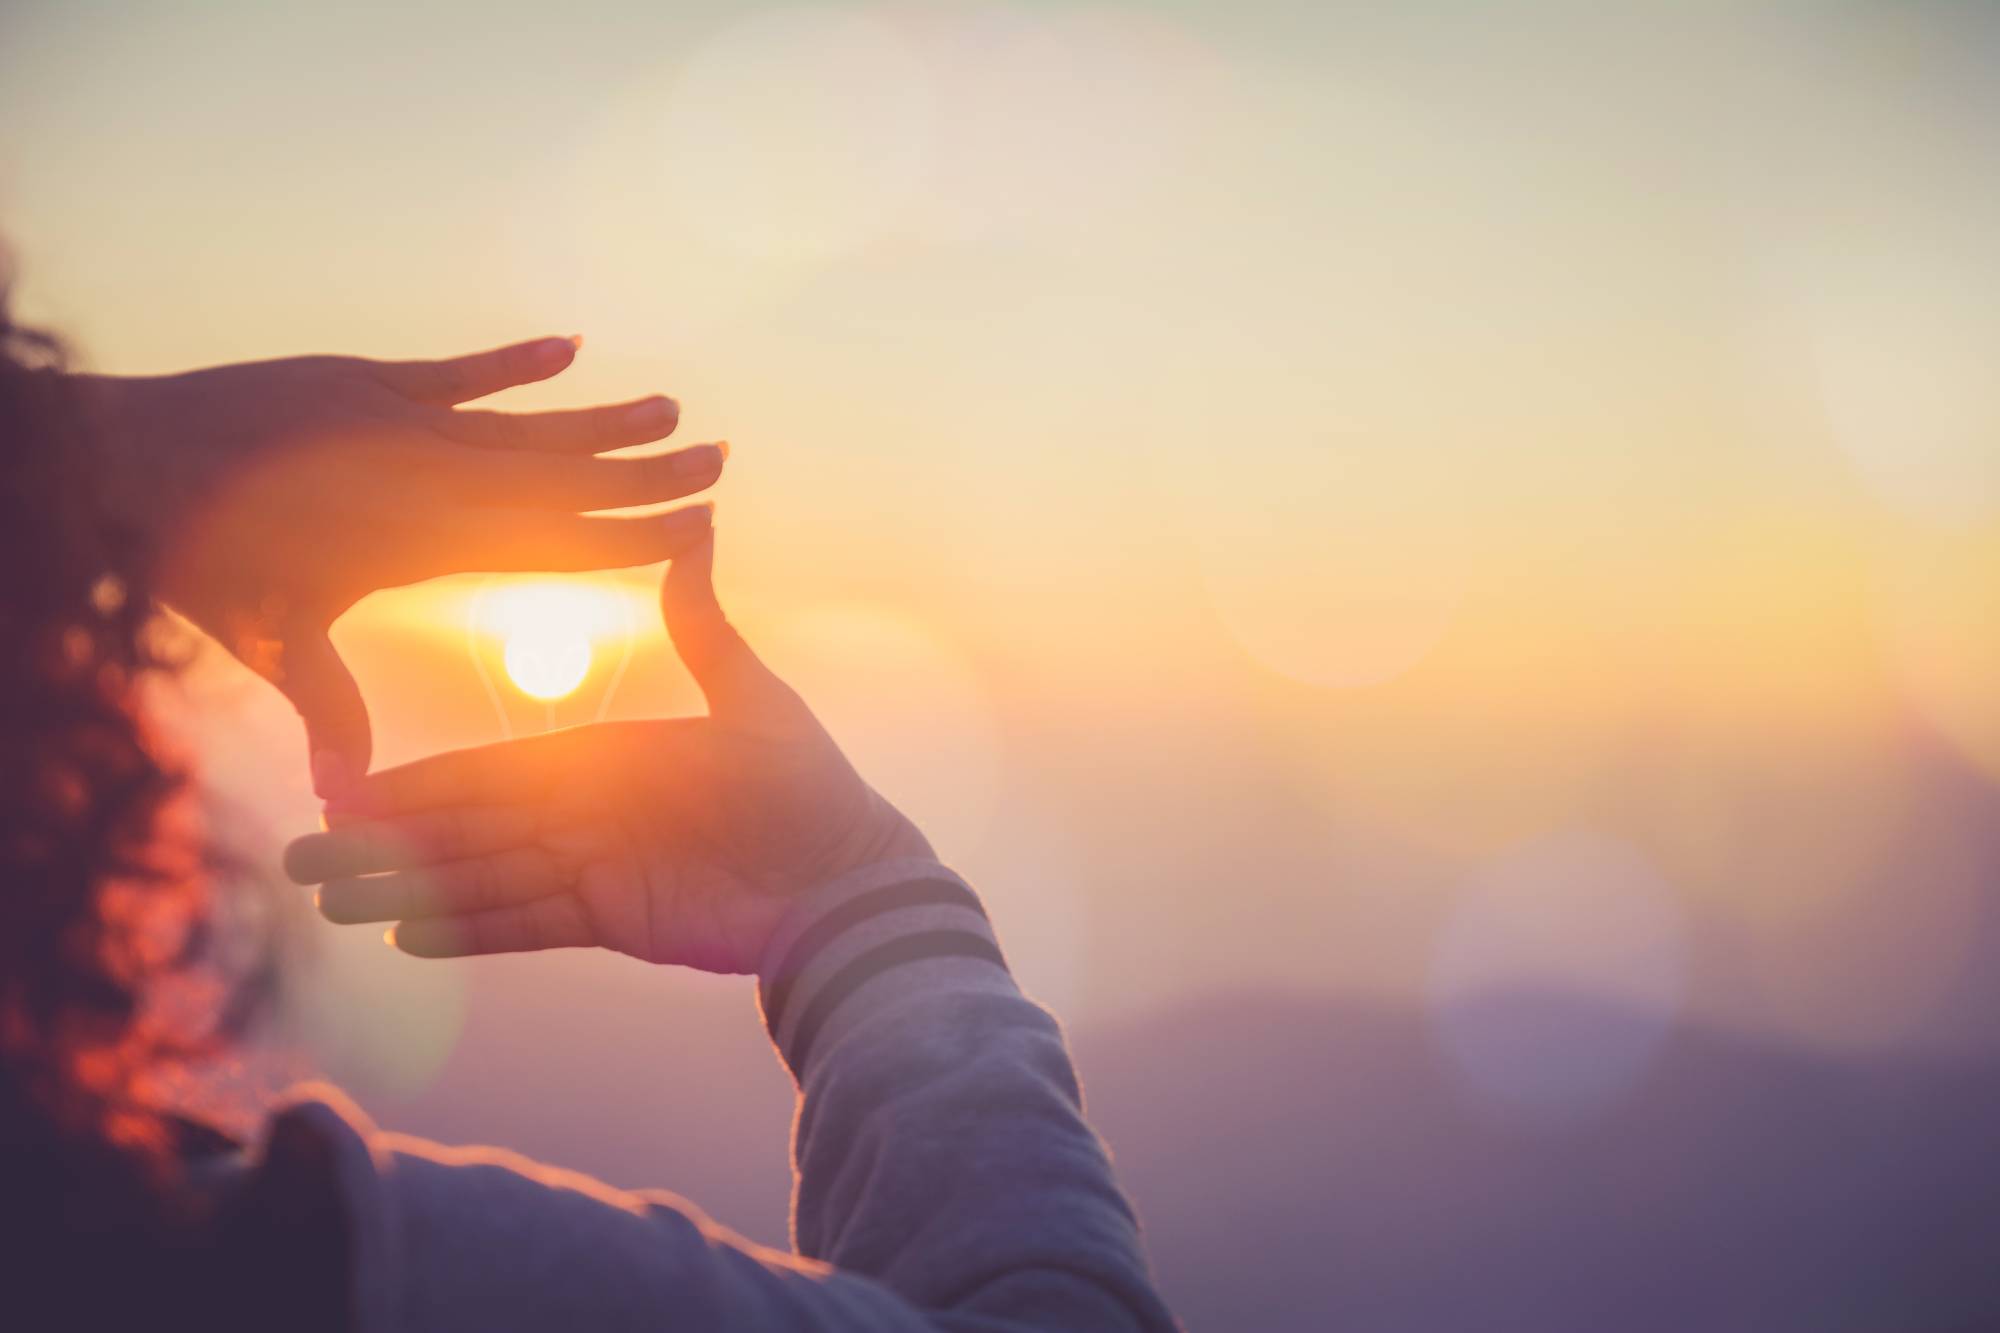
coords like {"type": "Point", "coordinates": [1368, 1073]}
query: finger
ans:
{"type": "Point", "coordinates": [559, 481]}
{"type": "Point", "coordinates": [311, 675]}
{"type": "Point", "coordinates": [460, 379]}
{"type": "Point", "coordinates": [566, 543]}
{"type": "Point", "coordinates": [589, 430]}
{"type": "Point", "coordinates": [546, 923]}
{"type": "Point", "coordinates": [722, 664]}
{"type": "Point", "coordinates": [480, 884]}
{"type": "Point", "coordinates": [397, 843]}
{"type": "Point", "coordinates": [506, 773]}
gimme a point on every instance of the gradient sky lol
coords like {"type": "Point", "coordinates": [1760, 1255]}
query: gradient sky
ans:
{"type": "Point", "coordinates": [1290, 495]}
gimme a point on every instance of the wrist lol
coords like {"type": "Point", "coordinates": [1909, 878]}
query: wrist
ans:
{"type": "Point", "coordinates": [879, 937]}
{"type": "Point", "coordinates": [888, 835]}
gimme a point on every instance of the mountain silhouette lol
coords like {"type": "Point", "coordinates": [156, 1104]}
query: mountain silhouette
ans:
{"type": "Point", "coordinates": [1303, 1164]}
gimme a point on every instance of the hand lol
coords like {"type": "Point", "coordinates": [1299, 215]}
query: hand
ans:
{"type": "Point", "coordinates": [281, 493]}
{"type": "Point", "coordinates": [678, 841]}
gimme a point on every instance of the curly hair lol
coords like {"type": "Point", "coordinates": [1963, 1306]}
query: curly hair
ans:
{"type": "Point", "coordinates": [104, 906]}
{"type": "Point", "coordinates": [95, 883]}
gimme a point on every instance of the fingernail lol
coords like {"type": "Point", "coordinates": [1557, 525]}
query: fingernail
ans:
{"type": "Point", "coordinates": [693, 516]}
{"type": "Point", "coordinates": [700, 460]}
{"type": "Point", "coordinates": [722, 447]}
{"type": "Point", "coordinates": [549, 351]}
{"type": "Point", "coordinates": [653, 414]}
{"type": "Point", "coordinates": [329, 775]}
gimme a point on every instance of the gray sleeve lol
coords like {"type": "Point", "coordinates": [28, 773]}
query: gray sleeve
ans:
{"type": "Point", "coordinates": [940, 1143]}
{"type": "Point", "coordinates": [947, 1181]}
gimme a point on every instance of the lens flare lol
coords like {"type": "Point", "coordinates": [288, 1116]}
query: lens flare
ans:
{"type": "Point", "coordinates": [1558, 977]}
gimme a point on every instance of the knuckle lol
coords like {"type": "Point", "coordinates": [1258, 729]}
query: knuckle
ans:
{"type": "Point", "coordinates": [472, 427]}
{"type": "Point", "coordinates": [452, 378]}
{"type": "Point", "coordinates": [455, 836]}
{"type": "Point", "coordinates": [659, 474]}
{"type": "Point", "coordinates": [482, 887]}
{"type": "Point", "coordinates": [604, 428]}
{"type": "Point", "coordinates": [344, 367]}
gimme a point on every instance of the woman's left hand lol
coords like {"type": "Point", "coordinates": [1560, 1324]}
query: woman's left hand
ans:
{"type": "Point", "coordinates": [280, 493]}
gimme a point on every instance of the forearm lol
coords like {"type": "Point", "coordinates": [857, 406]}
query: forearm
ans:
{"type": "Point", "coordinates": [940, 1145]}
{"type": "Point", "coordinates": [947, 1180]}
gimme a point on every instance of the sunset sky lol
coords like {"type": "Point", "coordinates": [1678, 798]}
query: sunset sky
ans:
{"type": "Point", "coordinates": [1290, 496]}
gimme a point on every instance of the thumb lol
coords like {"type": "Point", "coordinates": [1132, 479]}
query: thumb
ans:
{"type": "Point", "coordinates": [328, 701]}
{"type": "Point", "coordinates": [722, 664]}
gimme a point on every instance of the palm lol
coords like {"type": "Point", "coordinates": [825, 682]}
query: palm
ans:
{"type": "Point", "coordinates": [643, 901]}
{"type": "Point", "coordinates": [689, 837]}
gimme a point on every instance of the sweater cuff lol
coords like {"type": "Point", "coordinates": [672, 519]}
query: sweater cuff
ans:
{"type": "Point", "coordinates": [876, 938]}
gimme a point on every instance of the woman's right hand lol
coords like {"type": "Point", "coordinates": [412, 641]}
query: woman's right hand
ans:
{"type": "Point", "coordinates": [675, 841]}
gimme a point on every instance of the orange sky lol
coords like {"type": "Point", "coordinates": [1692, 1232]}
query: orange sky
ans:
{"type": "Point", "coordinates": [1244, 486]}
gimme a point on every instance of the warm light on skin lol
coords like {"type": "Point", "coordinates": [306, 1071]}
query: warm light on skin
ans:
{"type": "Point", "coordinates": [1436, 504]}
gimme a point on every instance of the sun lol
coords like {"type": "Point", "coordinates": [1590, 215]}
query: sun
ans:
{"type": "Point", "coordinates": [546, 665]}
{"type": "Point", "coordinates": [548, 633]}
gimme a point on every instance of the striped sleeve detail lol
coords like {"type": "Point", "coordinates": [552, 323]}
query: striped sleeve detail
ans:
{"type": "Point", "coordinates": [874, 902]}
{"type": "Point", "coordinates": [882, 935]}
{"type": "Point", "coordinates": [902, 949]}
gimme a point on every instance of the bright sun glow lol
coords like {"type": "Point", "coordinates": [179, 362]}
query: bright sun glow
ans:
{"type": "Point", "coordinates": [547, 666]}
{"type": "Point", "coordinates": [547, 632]}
